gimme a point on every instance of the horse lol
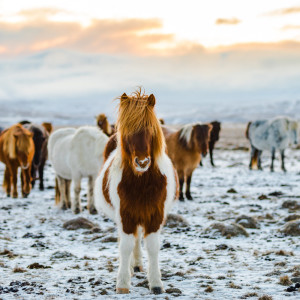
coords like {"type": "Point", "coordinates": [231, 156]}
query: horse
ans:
{"type": "Point", "coordinates": [185, 147]}
{"type": "Point", "coordinates": [40, 139]}
{"type": "Point", "coordinates": [137, 187]}
{"type": "Point", "coordinates": [48, 126]}
{"type": "Point", "coordinates": [275, 134]}
{"type": "Point", "coordinates": [214, 137]}
{"type": "Point", "coordinates": [16, 150]}
{"type": "Point", "coordinates": [104, 125]}
{"type": "Point", "coordinates": [75, 154]}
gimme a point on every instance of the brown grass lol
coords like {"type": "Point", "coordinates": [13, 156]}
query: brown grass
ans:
{"type": "Point", "coordinates": [285, 280]}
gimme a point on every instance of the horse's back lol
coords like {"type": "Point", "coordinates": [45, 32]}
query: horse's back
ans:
{"type": "Point", "coordinates": [87, 147]}
{"type": "Point", "coordinates": [59, 148]}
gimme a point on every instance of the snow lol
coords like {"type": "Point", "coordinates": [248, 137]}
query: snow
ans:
{"type": "Point", "coordinates": [190, 262]}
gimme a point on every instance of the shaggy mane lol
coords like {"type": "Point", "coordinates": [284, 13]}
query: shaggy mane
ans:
{"type": "Point", "coordinates": [136, 114]}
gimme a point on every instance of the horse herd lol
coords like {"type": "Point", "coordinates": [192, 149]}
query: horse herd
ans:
{"type": "Point", "coordinates": [135, 169]}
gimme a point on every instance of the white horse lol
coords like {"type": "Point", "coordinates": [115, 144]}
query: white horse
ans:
{"type": "Point", "coordinates": [76, 154]}
{"type": "Point", "coordinates": [275, 134]}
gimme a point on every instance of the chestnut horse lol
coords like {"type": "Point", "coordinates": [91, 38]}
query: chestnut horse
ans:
{"type": "Point", "coordinates": [16, 150]}
{"type": "Point", "coordinates": [136, 187]}
{"type": "Point", "coordinates": [104, 125]}
{"type": "Point", "coordinates": [185, 147]}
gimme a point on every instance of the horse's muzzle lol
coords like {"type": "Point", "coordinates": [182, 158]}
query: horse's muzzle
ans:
{"type": "Point", "coordinates": [142, 165]}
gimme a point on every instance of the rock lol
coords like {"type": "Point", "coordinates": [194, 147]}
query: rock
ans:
{"type": "Point", "coordinates": [227, 229]}
{"type": "Point", "coordinates": [37, 266]}
{"type": "Point", "coordinates": [61, 254]}
{"type": "Point", "coordinates": [173, 291]}
{"type": "Point", "coordinates": [292, 217]}
{"type": "Point", "coordinates": [295, 279]}
{"type": "Point", "coordinates": [78, 223]}
{"type": "Point", "coordinates": [291, 204]}
{"type": "Point", "coordinates": [276, 194]}
{"type": "Point", "coordinates": [232, 191]}
{"type": "Point", "coordinates": [174, 220]}
{"type": "Point", "coordinates": [263, 197]}
{"type": "Point", "coordinates": [109, 239]}
{"type": "Point", "coordinates": [292, 228]}
{"type": "Point", "coordinates": [247, 222]}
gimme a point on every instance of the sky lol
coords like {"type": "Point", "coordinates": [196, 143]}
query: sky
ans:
{"type": "Point", "coordinates": [205, 52]}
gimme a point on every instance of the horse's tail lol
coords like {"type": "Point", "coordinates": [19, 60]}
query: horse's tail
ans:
{"type": "Point", "coordinates": [57, 192]}
{"type": "Point", "coordinates": [247, 130]}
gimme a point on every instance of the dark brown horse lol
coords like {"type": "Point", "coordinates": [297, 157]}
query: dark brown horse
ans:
{"type": "Point", "coordinates": [40, 139]}
{"type": "Point", "coordinates": [185, 147]}
{"type": "Point", "coordinates": [214, 137]}
{"type": "Point", "coordinates": [16, 150]}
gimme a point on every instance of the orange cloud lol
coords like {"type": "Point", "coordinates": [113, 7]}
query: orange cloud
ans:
{"type": "Point", "coordinates": [285, 11]}
{"type": "Point", "coordinates": [102, 36]}
{"type": "Point", "coordinates": [290, 27]}
{"type": "Point", "coordinates": [232, 21]}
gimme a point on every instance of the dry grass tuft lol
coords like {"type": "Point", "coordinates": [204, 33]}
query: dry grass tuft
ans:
{"type": "Point", "coordinates": [209, 289]}
{"type": "Point", "coordinates": [285, 280]}
{"type": "Point", "coordinates": [265, 297]}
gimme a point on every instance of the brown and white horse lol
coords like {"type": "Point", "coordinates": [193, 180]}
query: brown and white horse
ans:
{"type": "Point", "coordinates": [104, 125]}
{"type": "Point", "coordinates": [136, 187]}
{"type": "Point", "coordinates": [16, 150]}
{"type": "Point", "coordinates": [185, 147]}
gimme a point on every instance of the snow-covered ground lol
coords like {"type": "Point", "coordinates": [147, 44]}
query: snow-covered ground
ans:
{"type": "Point", "coordinates": [190, 259]}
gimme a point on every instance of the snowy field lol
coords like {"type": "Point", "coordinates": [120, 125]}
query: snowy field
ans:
{"type": "Point", "coordinates": [195, 263]}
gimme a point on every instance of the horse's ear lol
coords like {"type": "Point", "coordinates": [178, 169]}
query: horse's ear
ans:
{"type": "Point", "coordinates": [30, 134]}
{"type": "Point", "coordinates": [124, 97]}
{"type": "Point", "coordinates": [151, 100]}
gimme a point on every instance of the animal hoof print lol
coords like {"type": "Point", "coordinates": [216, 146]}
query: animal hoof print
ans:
{"type": "Point", "coordinates": [157, 290]}
{"type": "Point", "coordinates": [137, 269]}
{"type": "Point", "coordinates": [122, 291]}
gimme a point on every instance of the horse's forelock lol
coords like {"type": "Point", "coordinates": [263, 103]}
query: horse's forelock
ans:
{"type": "Point", "coordinates": [136, 114]}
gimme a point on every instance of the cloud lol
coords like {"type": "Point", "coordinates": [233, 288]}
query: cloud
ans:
{"type": "Point", "coordinates": [291, 27]}
{"type": "Point", "coordinates": [284, 11]}
{"type": "Point", "coordinates": [136, 36]}
{"type": "Point", "coordinates": [232, 21]}
{"type": "Point", "coordinates": [40, 13]}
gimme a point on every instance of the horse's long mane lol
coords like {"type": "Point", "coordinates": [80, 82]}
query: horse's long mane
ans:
{"type": "Point", "coordinates": [10, 141]}
{"type": "Point", "coordinates": [135, 114]}
{"type": "Point", "coordinates": [185, 135]}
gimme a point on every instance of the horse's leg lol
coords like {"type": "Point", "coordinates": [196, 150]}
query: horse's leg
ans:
{"type": "Point", "coordinates": [124, 275]}
{"type": "Point", "coordinates": [188, 186]}
{"type": "Point", "coordinates": [68, 193]}
{"type": "Point", "coordinates": [273, 157]}
{"type": "Point", "coordinates": [211, 148]}
{"type": "Point", "coordinates": [14, 171]}
{"type": "Point", "coordinates": [181, 182]}
{"type": "Point", "coordinates": [33, 175]}
{"type": "Point", "coordinates": [7, 181]}
{"type": "Point", "coordinates": [41, 174]}
{"type": "Point", "coordinates": [252, 155]}
{"type": "Point", "coordinates": [154, 276]}
{"type": "Point", "coordinates": [201, 164]}
{"type": "Point", "coordinates": [76, 203]}
{"type": "Point", "coordinates": [282, 161]}
{"type": "Point", "coordinates": [26, 178]}
{"type": "Point", "coordinates": [62, 195]}
{"type": "Point", "coordinates": [259, 160]}
{"type": "Point", "coordinates": [137, 252]}
{"type": "Point", "coordinates": [91, 205]}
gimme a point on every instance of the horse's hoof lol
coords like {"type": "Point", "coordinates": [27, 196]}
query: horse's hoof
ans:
{"type": "Point", "coordinates": [93, 211]}
{"type": "Point", "coordinates": [25, 195]}
{"type": "Point", "coordinates": [76, 211]}
{"type": "Point", "coordinates": [157, 290]}
{"type": "Point", "coordinates": [15, 196]}
{"type": "Point", "coordinates": [189, 197]}
{"type": "Point", "coordinates": [181, 198]}
{"type": "Point", "coordinates": [8, 195]}
{"type": "Point", "coordinates": [41, 188]}
{"type": "Point", "coordinates": [138, 269]}
{"type": "Point", "coordinates": [122, 291]}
